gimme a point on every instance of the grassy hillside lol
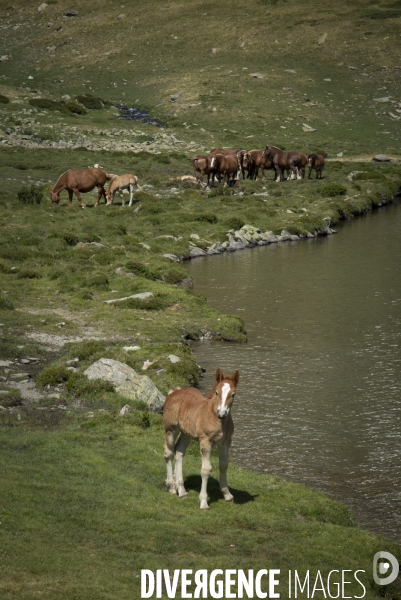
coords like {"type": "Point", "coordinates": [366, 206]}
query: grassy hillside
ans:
{"type": "Point", "coordinates": [206, 55]}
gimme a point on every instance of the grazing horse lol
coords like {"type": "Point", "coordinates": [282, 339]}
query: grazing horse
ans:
{"type": "Point", "coordinates": [120, 183]}
{"type": "Point", "coordinates": [208, 420]}
{"type": "Point", "coordinates": [290, 161]}
{"type": "Point", "coordinates": [316, 161]}
{"type": "Point", "coordinates": [80, 181]}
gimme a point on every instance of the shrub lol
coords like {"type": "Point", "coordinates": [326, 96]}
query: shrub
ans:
{"type": "Point", "coordinates": [4, 99]}
{"type": "Point", "coordinates": [139, 269]}
{"type": "Point", "coordinates": [234, 223]}
{"type": "Point", "coordinates": [98, 281]}
{"type": "Point", "coordinates": [221, 191]}
{"type": "Point", "coordinates": [29, 274]}
{"type": "Point", "coordinates": [6, 304]}
{"type": "Point", "coordinates": [30, 195]}
{"type": "Point", "coordinates": [79, 385]}
{"type": "Point", "coordinates": [13, 398]}
{"type": "Point", "coordinates": [333, 189]}
{"type": "Point", "coordinates": [205, 217]}
{"type": "Point", "coordinates": [53, 375]}
{"type": "Point", "coordinates": [86, 350]}
{"type": "Point", "coordinates": [370, 176]}
{"type": "Point", "coordinates": [90, 101]}
{"type": "Point", "coordinates": [64, 107]}
{"type": "Point", "coordinates": [153, 303]}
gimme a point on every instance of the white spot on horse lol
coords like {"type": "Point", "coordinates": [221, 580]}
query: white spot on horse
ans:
{"type": "Point", "coordinates": [224, 393]}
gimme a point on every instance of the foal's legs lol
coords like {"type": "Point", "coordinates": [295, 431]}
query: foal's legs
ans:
{"type": "Point", "coordinates": [168, 457]}
{"type": "Point", "coordinates": [223, 464]}
{"type": "Point", "coordinates": [131, 194]}
{"type": "Point", "coordinates": [206, 449]}
{"type": "Point", "coordinates": [180, 450]}
{"type": "Point", "coordinates": [120, 191]}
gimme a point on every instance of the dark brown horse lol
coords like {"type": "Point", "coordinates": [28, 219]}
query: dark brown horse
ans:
{"type": "Point", "coordinates": [316, 161]}
{"type": "Point", "coordinates": [290, 161]}
{"type": "Point", "coordinates": [80, 181]}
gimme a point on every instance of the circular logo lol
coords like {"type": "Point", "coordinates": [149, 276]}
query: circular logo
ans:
{"type": "Point", "coordinates": [381, 568]}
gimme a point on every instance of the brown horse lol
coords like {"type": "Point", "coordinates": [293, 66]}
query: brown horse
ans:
{"type": "Point", "coordinates": [316, 161]}
{"type": "Point", "coordinates": [208, 420]}
{"type": "Point", "coordinates": [258, 162]}
{"type": "Point", "coordinates": [80, 181]}
{"type": "Point", "coordinates": [290, 161]}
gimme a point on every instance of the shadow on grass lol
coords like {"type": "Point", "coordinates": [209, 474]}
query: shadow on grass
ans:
{"type": "Point", "coordinates": [194, 482]}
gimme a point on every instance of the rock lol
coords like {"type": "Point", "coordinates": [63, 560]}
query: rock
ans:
{"type": "Point", "coordinates": [271, 237]}
{"type": "Point", "coordinates": [322, 39]}
{"type": "Point", "coordinates": [172, 257]}
{"type": "Point", "coordinates": [6, 363]}
{"type": "Point", "coordinates": [195, 252]}
{"type": "Point", "coordinates": [122, 16]}
{"type": "Point", "coordinates": [194, 236]}
{"type": "Point", "coordinates": [307, 128]}
{"type": "Point", "coordinates": [381, 158]}
{"type": "Point", "coordinates": [147, 364]}
{"type": "Point", "coordinates": [42, 7]}
{"type": "Point", "coordinates": [257, 75]}
{"type": "Point", "coordinates": [126, 381]}
{"type": "Point", "coordinates": [289, 71]}
{"type": "Point", "coordinates": [125, 410]}
{"type": "Point", "coordinates": [351, 176]}
{"type": "Point", "coordinates": [4, 58]}
{"type": "Point", "coordinates": [173, 358]}
{"type": "Point", "coordinates": [131, 348]}
{"type": "Point", "coordinates": [214, 51]}
{"type": "Point", "coordinates": [385, 99]}
{"type": "Point", "coordinates": [70, 13]}
{"type": "Point", "coordinates": [186, 283]}
{"type": "Point", "coordinates": [25, 361]}
{"type": "Point", "coordinates": [285, 235]}
{"type": "Point", "coordinates": [142, 296]}
{"type": "Point", "coordinates": [327, 79]}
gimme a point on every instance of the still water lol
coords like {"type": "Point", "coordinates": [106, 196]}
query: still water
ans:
{"type": "Point", "coordinates": [319, 399]}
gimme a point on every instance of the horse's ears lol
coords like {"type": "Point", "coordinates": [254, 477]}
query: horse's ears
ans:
{"type": "Point", "coordinates": [235, 378]}
{"type": "Point", "coordinates": [219, 375]}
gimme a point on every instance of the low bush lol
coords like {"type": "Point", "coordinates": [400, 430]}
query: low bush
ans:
{"type": "Point", "coordinates": [29, 274]}
{"type": "Point", "coordinates": [333, 189]}
{"type": "Point", "coordinates": [4, 99]}
{"type": "Point", "coordinates": [234, 223]}
{"type": "Point", "coordinates": [6, 304]}
{"type": "Point", "coordinates": [90, 101]}
{"type": "Point", "coordinates": [205, 217]}
{"type": "Point", "coordinates": [53, 375]}
{"type": "Point", "coordinates": [87, 350]}
{"type": "Point", "coordinates": [30, 195]}
{"type": "Point", "coordinates": [139, 269]}
{"type": "Point", "coordinates": [64, 107]}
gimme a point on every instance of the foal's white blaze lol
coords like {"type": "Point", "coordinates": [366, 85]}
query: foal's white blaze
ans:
{"type": "Point", "coordinates": [224, 393]}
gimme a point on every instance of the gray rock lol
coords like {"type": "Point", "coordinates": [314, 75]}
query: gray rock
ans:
{"type": "Point", "coordinates": [129, 348]}
{"type": "Point", "coordinates": [70, 13]}
{"type": "Point", "coordinates": [195, 252]}
{"type": "Point", "coordinates": [285, 236]}
{"type": "Point", "coordinates": [185, 283]}
{"type": "Point", "coordinates": [381, 158]}
{"type": "Point", "coordinates": [142, 296]}
{"type": "Point", "coordinates": [42, 6]}
{"type": "Point", "coordinates": [173, 358]}
{"type": "Point", "coordinates": [172, 257]}
{"type": "Point", "coordinates": [271, 237]}
{"type": "Point", "coordinates": [125, 410]}
{"type": "Point", "coordinates": [6, 363]}
{"type": "Point", "coordinates": [126, 381]}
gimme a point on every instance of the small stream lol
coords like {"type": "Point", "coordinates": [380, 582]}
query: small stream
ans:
{"type": "Point", "coordinates": [319, 399]}
{"type": "Point", "coordinates": [136, 114]}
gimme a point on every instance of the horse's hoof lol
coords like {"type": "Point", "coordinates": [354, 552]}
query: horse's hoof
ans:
{"type": "Point", "coordinates": [204, 507]}
{"type": "Point", "coordinates": [183, 494]}
{"type": "Point", "coordinates": [229, 498]}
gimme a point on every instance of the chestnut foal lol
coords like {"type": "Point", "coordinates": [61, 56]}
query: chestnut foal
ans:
{"type": "Point", "coordinates": [208, 420]}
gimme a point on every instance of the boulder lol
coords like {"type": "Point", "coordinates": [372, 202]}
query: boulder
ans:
{"type": "Point", "coordinates": [195, 252]}
{"type": "Point", "coordinates": [381, 158]}
{"type": "Point", "coordinates": [126, 381]}
{"type": "Point", "coordinates": [70, 13]}
{"type": "Point", "coordinates": [141, 296]}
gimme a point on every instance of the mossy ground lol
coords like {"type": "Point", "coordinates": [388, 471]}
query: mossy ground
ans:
{"type": "Point", "coordinates": [83, 504]}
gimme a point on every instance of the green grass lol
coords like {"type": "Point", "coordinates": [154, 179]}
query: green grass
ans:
{"type": "Point", "coordinates": [94, 512]}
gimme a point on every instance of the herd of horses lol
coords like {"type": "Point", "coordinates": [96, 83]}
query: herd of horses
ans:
{"type": "Point", "coordinates": [221, 164]}
{"type": "Point", "coordinates": [231, 164]}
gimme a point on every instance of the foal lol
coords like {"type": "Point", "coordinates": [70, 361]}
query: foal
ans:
{"type": "Point", "coordinates": [208, 420]}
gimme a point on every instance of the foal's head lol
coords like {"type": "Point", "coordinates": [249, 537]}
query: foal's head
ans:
{"type": "Point", "coordinates": [223, 392]}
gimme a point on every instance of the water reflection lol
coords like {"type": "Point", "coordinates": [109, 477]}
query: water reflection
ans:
{"type": "Point", "coordinates": [319, 398]}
